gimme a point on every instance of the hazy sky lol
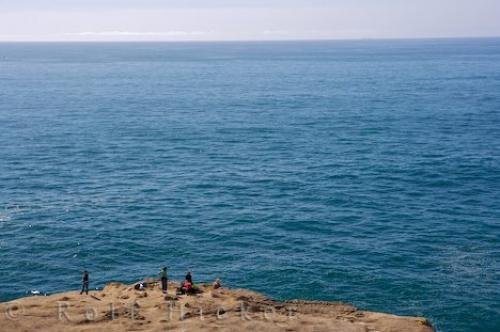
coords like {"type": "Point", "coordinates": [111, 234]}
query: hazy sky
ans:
{"type": "Point", "coordinates": [38, 20]}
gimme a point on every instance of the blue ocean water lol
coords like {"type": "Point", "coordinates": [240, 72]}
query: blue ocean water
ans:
{"type": "Point", "coordinates": [362, 171]}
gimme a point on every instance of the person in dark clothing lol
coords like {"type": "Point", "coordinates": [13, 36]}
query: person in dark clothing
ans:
{"type": "Point", "coordinates": [189, 277]}
{"type": "Point", "coordinates": [164, 279]}
{"type": "Point", "coordinates": [85, 283]}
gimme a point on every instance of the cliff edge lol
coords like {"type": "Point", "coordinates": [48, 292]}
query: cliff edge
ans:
{"type": "Point", "coordinates": [120, 307]}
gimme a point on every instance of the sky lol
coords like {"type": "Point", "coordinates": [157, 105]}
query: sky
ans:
{"type": "Point", "coordinates": [207, 20]}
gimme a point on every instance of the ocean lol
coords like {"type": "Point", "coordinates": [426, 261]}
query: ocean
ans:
{"type": "Point", "coordinates": [360, 171]}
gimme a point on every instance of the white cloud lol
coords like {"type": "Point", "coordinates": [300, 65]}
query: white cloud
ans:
{"type": "Point", "coordinates": [173, 33]}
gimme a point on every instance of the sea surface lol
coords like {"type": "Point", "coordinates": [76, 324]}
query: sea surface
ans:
{"type": "Point", "coordinates": [360, 171]}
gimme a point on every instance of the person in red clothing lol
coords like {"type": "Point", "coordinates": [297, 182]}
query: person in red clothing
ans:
{"type": "Point", "coordinates": [187, 287]}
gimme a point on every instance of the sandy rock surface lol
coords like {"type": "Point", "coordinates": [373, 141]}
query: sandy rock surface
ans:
{"type": "Point", "coordinates": [120, 307]}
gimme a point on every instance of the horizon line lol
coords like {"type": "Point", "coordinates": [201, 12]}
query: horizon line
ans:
{"type": "Point", "coordinates": [253, 40]}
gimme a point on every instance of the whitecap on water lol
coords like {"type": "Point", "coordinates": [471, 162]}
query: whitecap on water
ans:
{"type": "Point", "coordinates": [4, 217]}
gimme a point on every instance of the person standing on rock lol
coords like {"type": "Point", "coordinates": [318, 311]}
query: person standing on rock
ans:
{"type": "Point", "coordinates": [85, 283]}
{"type": "Point", "coordinates": [189, 277]}
{"type": "Point", "coordinates": [164, 279]}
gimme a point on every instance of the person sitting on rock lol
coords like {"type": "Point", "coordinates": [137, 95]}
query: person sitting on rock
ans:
{"type": "Point", "coordinates": [187, 287]}
{"type": "Point", "coordinates": [217, 284]}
